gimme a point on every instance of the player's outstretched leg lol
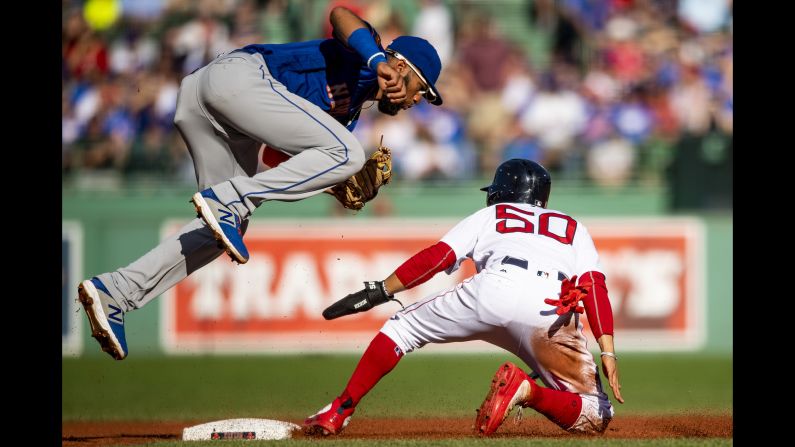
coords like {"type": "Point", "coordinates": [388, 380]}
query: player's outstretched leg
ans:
{"type": "Point", "coordinates": [105, 317]}
{"type": "Point", "coordinates": [381, 356]}
{"type": "Point", "coordinates": [224, 222]}
{"type": "Point", "coordinates": [509, 386]}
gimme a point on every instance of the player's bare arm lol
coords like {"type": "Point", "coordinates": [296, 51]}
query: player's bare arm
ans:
{"type": "Point", "coordinates": [393, 284]}
{"type": "Point", "coordinates": [345, 23]}
{"type": "Point", "coordinates": [610, 364]}
{"type": "Point", "coordinates": [596, 304]}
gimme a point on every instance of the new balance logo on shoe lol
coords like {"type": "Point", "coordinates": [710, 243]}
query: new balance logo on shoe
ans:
{"type": "Point", "coordinates": [117, 315]}
{"type": "Point", "coordinates": [226, 217]}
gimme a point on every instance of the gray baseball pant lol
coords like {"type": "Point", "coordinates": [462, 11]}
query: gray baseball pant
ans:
{"type": "Point", "coordinates": [225, 110]}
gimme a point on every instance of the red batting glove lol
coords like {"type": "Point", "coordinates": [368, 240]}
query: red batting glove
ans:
{"type": "Point", "coordinates": [570, 296]}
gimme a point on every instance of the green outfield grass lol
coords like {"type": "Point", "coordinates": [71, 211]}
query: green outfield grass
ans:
{"type": "Point", "coordinates": [449, 385]}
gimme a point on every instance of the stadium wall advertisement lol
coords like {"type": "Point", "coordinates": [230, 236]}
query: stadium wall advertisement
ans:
{"type": "Point", "coordinates": [655, 269]}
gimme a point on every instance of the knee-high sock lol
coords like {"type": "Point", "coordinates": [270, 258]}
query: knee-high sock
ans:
{"type": "Point", "coordinates": [380, 357]}
{"type": "Point", "coordinates": [560, 407]}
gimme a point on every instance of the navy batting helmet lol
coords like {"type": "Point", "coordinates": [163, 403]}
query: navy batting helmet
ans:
{"type": "Point", "coordinates": [519, 181]}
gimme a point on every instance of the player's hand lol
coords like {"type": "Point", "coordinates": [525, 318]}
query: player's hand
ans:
{"type": "Point", "coordinates": [391, 83]}
{"type": "Point", "coordinates": [610, 369]}
{"type": "Point", "coordinates": [373, 294]}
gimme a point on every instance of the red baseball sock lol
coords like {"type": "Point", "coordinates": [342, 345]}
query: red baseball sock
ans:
{"type": "Point", "coordinates": [560, 407]}
{"type": "Point", "coordinates": [380, 357]}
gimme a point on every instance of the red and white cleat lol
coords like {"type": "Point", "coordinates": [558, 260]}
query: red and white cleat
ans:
{"type": "Point", "coordinates": [330, 420]}
{"type": "Point", "coordinates": [508, 387]}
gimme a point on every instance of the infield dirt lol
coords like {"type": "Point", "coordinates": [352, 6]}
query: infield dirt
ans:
{"type": "Point", "coordinates": [83, 434]}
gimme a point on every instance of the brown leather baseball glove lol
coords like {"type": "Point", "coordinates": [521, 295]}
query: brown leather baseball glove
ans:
{"type": "Point", "coordinates": [363, 186]}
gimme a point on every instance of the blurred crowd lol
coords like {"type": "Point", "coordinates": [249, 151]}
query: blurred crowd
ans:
{"type": "Point", "coordinates": [599, 91]}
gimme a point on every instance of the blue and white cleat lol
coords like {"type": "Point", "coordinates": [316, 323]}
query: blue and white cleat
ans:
{"type": "Point", "coordinates": [224, 223]}
{"type": "Point", "coordinates": [105, 317]}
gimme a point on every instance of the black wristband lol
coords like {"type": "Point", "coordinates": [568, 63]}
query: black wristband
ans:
{"type": "Point", "coordinates": [376, 292]}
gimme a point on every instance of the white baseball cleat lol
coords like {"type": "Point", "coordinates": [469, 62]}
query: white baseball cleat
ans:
{"type": "Point", "coordinates": [104, 316]}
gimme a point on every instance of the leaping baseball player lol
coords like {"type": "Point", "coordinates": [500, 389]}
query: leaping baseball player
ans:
{"type": "Point", "coordinates": [300, 99]}
{"type": "Point", "coordinates": [535, 266]}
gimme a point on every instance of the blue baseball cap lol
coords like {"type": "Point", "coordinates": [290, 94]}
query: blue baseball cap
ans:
{"type": "Point", "coordinates": [422, 57]}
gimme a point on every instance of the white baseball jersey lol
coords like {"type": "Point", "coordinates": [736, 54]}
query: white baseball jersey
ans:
{"type": "Point", "coordinates": [522, 253]}
{"type": "Point", "coordinates": [545, 238]}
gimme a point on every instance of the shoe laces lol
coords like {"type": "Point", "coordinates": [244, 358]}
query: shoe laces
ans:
{"type": "Point", "coordinates": [519, 415]}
